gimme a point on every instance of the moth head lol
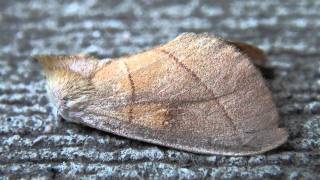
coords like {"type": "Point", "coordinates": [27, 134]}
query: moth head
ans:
{"type": "Point", "coordinates": [67, 77]}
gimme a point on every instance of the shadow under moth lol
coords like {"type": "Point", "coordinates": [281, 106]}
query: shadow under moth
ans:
{"type": "Point", "coordinates": [197, 93]}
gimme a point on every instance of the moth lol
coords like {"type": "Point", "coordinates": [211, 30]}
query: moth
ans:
{"type": "Point", "coordinates": [197, 93]}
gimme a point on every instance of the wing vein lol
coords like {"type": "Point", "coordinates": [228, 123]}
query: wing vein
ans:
{"type": "Point", "coordinates": [194, 75]}
{"type": "Point", "coordinates": [133, 92]}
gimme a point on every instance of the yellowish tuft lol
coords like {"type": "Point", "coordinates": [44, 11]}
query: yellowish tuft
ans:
{"type": "Point", "coordinates": [50, 63]}
{"type": "Point", "coordinates": [80, 64]}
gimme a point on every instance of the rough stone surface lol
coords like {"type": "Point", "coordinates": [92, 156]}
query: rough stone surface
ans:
{"type": "Point", "coordinates": [34, 143]}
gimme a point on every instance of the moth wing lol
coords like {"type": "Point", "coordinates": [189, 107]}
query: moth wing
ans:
{"type": "Point", "coordinates": [255, 54]}
{"type": "Point", "coordinates": [242, 94]}
{"type": "Point", "coordinates": [199, 127]}
{"type": "Point", "coordinates": [196, 93]}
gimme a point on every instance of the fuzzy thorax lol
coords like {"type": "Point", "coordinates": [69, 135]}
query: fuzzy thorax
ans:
{"type": "Point", "coordinates": [67, 77]}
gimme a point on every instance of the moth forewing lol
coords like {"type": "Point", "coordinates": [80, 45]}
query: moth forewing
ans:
{"type": "Point", "coordinates": [197, 93]}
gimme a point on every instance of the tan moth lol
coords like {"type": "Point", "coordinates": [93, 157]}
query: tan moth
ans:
{"type": "Point", "coordinates": [196, 93]}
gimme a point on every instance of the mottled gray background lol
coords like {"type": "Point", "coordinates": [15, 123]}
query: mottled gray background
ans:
{"type": "Point", "coordinates": [34, 143]}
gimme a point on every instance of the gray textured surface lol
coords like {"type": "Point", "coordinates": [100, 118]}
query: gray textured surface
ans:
{"type": "Point", "coordinates": [33, 143]}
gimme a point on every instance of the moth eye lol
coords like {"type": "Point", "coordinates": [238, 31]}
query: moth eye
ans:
{"type": "Point", "coordinates": [64, 99]}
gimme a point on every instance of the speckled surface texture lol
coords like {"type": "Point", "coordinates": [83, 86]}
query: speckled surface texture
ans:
{"type": "Point", "coordinates": [34, 143]}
